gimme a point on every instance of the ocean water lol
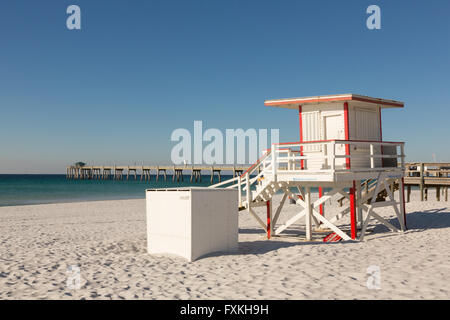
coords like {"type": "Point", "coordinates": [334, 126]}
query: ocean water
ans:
{"type": "Point", "coordinates": [37, 189]}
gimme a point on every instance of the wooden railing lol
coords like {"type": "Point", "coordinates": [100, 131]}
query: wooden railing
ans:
{"type": "Point", "coordinates": [425, 175]}
{"type": "Point", "coordinates": [290, 158]}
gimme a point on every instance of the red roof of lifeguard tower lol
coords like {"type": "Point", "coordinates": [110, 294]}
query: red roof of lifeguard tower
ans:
{"type": "Point", "coordinates": [293, 103]}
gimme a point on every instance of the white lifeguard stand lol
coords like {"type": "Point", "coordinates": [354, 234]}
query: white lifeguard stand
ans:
{"type": "Point", "coordinates": [340, 150]}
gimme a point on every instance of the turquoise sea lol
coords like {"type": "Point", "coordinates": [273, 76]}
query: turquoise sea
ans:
{"type": "Point", "coordinates": [22, 189]}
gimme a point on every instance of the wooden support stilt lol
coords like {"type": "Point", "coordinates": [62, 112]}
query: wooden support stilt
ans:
{"type": "Point", "coordinates": [353, 211]}
{"type": "Point", "coordinates": [308, 213]}
{"type": "Point", "coordinates": [421, 183]}
{"type": "Point", "coordinates": [402, 199]}
{"type": "Point", "coordinates": [359, 209]}
{"type": "Point", "coordinates": [438, 193]}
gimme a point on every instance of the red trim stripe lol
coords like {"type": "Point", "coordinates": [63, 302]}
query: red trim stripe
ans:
{"type": "Point", "coordinates": [337, 140]}
{"type": "Point", "coordinates": [300, 119]}
{"type": "Point", "coordinates": [381, 135]}
{"type": "Point", "coordinates": [268, 218]}
{"type": "Point", "coordinates": [347, 134]}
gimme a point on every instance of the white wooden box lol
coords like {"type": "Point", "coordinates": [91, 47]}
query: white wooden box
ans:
{"type": "Point", "coordinates": [192, 222]}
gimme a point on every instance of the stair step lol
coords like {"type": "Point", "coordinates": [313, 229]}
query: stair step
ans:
{"type": "Point", "coordinates": [332, 237]}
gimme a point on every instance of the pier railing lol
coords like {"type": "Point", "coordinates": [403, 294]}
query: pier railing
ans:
{"type": "Point", "coordinates": [427, 175]}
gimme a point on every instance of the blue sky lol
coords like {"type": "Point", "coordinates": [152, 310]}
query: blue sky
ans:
{"type": "Point", "coordinates": [115, 90]}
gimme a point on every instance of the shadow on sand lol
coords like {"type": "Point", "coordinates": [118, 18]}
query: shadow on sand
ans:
{"type": "Point", "coordinates": [289, 238]}
{"type": "Point", "coordinates": [417, 221]}
{"type": "Point", "coordinates": [428, 219]}
{"type": "Point", "coordinates": [265, 246]}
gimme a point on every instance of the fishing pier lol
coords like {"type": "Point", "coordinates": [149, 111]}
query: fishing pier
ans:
{"type": "Point", "coordinates": [145, 172]}
{"type": "Point", "coordinates": [425, 176]}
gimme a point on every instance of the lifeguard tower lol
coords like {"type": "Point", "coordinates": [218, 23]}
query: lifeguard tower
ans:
{"type": "Point", "coordinates": [341, 151]}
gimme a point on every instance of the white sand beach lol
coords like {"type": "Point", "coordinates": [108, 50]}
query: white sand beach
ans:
{"type": "Point", "coordinates": [107, 240]}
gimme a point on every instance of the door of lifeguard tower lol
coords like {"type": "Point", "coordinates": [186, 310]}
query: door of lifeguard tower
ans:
{"type": "Point", "coordinates": [334, 130]}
